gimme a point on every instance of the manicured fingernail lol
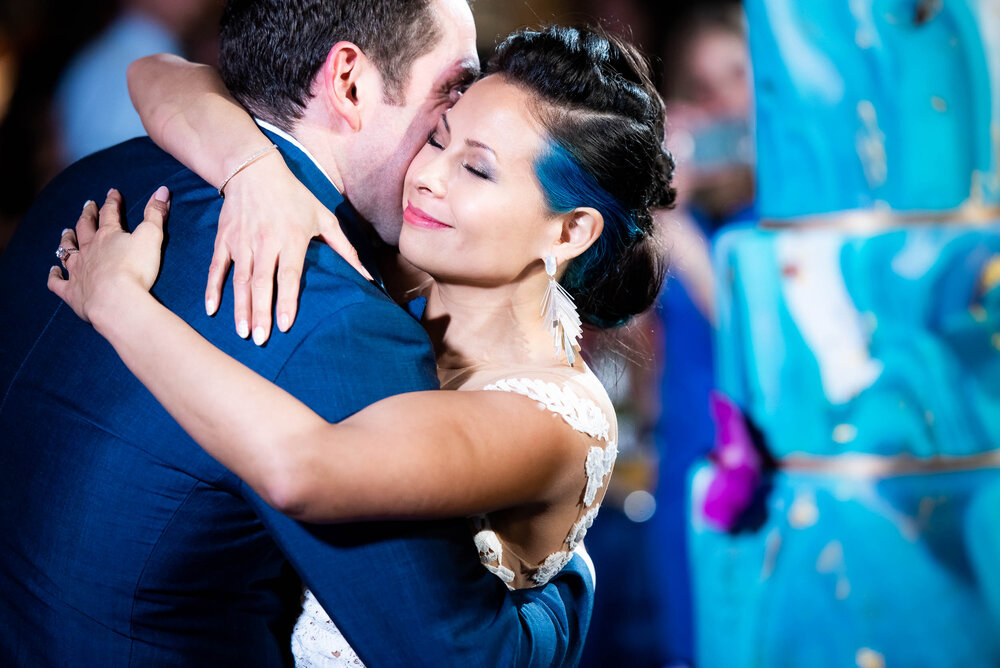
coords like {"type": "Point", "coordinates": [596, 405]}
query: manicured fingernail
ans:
{"type": "Point", "coordinates": [65, 231]}
{"type": "Point", "coordinates": [161, 194]}
{"type": "Point", "coordinates": [110, 191]}
{"type": "Point", "coordinates": [210, 306]}
{"type": "Point", "coordinates": [243, 329]}
{"type": "Point", "coordinates": [283, 322]}
{"type": "Point", "coordinates": [87, 203]}
{"type": "Point", "coordinates": [259, 336]}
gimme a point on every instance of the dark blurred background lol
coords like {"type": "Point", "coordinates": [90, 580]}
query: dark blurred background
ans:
{"type": "Point", "coordinates": [63, 95]}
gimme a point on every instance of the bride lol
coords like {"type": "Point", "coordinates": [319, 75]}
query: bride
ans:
{"type": "Point", "coordinates": [533, 191]}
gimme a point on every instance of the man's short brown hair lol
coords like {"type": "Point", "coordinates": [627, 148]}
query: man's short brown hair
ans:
{"type": "Point", "coordinates": [271, 50]}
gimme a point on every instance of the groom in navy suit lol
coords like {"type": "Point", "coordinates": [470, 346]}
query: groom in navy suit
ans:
{"type": "Point", "coordinates": [121, 541]}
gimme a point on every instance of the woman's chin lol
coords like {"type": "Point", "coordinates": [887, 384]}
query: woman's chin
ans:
{"type": "Point", "coordinates": [415, 250]}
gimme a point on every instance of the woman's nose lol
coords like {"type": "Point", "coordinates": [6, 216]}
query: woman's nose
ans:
{"type": "Point", "coordinates": [432, 176]}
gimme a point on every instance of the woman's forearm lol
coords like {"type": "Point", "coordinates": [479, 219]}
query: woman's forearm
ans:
{"type": "Point", "coordinates": [251, 426]}
{"type": "Point", "coordinates": [422, 454]}
{"type": "Point", "coordinates": [188, 112]}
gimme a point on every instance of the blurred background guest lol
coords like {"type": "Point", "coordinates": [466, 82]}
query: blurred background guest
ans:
{"type": "Point", "coordinates": [37, 39]}
{"type": "Point", "coordinates": [62, 81]}
{"type": "Point", "coordinates": [93, 109]}
{"type": "Point", "coordinates": [707, 82]}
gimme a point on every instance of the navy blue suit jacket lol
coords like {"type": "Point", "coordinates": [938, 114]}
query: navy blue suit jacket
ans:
{"type": "Point", "coordinates": [123, 543]}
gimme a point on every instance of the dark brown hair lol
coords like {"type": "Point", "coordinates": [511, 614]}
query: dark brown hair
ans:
{"type": "Point", "coordinates": [271, 50]}
{"type": "Point", "coordinates": [605, 121]}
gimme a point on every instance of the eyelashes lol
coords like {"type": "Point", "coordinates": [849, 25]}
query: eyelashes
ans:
{"type": "Point", "coordinates": [477, 172]}
{"type": "Point", "coordinates": [484, 174]}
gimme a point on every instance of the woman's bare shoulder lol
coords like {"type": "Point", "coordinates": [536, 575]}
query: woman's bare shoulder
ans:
{"type": "Point", "coordinates": [574, 392]}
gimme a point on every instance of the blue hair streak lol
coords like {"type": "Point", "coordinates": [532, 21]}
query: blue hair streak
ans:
{"type": "Point", "coordinates": [567, 185]}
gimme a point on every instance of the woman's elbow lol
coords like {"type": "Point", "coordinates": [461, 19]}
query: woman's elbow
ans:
{"type": "Point", "coordinates": [139, 72]}
{"type": "Point", "coordinates": [287, 493]}
{"type": "Point", "coordinates": [155, 109]}
{"type": "Point", "coordinates": [147, 67]}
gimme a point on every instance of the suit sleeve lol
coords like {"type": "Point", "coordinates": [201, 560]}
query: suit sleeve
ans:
{"type": "Point", "coordinates": [411, 593]}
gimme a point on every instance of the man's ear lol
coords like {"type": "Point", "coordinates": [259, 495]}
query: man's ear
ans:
{"type": "Point", "coordinates": [345, 80]}
{"type": "Point", "coordinates": [581, 227]}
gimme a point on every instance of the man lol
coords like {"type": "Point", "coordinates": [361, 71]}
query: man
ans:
{"type": "Point", "coordinates": [121, 541]}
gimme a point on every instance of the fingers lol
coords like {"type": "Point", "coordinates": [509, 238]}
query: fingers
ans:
{"type": "Point", "coordinates": [262, 293]}
{"type": "Point", "coordinates": [86, 224]}
{"type": "Point", "coordinates": [335, 239]}
{"type": "Point", "coordinates": [217, 271]}
{"type": "Point", "coordinates": [155, 214]}
{"type": "Point", "coordinates": [150, 230]}
{"type": "Point", "coordinates": [242, 276]}
{"type": "Point", "coordinates": [57, 283]}
{"type": "Point", "coordinates": [68, 238]}
{"type": "Point", "coordinates": [67, 241]}
{"type": "Point", "coordinates": [111, 212]}
{"type": "Point", "coordinates": [157, 208]}
{"type": "Point", "coordinates": [290, 263]}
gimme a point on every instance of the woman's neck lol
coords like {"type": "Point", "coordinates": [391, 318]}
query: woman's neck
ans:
{"type": "Point", "coordinates": [489, 326]}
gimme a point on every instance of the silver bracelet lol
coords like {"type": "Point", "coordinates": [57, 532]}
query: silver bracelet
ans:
{"type": "Point", "coordinates": [243, 165]}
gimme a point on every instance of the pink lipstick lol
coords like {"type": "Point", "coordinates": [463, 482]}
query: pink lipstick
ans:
{"type": "Point", "coordinates": [418, 218]}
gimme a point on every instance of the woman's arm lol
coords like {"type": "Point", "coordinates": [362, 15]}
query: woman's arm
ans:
{"type": "Point", "coordinates": [423, 454]}
{"type": "Point", "coordinates": [188, 112]}
{"type": "Point", "coordinates": [268, 217]}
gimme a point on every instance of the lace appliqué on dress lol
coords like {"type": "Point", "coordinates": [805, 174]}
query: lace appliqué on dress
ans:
{"type": "Point", "coordinates": [583, 415]}
{"type": "Point", "coordinates": [491, 549]}
{"type": "Point", "coordinates": [599, 463]}
{"type": "Point", "coordinates": [552, 565]}
{"type": "Point", "coordinates": [579, 412]}
{"type": "Point", "coordinates": [579, 531]}
{"type": "Point", "coordinates": [317, 642]}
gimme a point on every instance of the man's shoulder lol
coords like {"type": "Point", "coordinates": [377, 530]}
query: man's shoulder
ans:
{"type": "Point", "coordinates": [133, 167]}
{"type": "Point", "coordinates": [131, 158]}
{"type": "Point", "coordinates": [336, 286]}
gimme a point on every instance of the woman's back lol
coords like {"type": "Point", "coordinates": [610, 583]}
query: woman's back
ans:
{"type": "Point", "coordinates": [526, 545]}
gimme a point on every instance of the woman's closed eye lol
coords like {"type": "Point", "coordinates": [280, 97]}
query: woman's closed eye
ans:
{"type": "Point", "coordinates": [477, 169]}
{"type": "Point", "coordinates": [480, 172]}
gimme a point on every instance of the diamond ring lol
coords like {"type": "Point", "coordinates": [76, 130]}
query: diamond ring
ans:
{"type": "Point", "coordinates": [63, 253]}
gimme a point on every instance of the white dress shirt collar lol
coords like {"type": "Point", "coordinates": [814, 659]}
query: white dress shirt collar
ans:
{"type": "Point", "coordinates": [295, 142]}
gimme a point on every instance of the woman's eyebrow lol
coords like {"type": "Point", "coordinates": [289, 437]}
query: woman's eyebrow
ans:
{"type": "Point", "coordinates": [469, 142]}
{"type": "Point", "coordinates": [479, 144]}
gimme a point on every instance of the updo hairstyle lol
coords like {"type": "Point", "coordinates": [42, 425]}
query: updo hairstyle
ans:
{"type": "Point", "coordinates": [594, 96]}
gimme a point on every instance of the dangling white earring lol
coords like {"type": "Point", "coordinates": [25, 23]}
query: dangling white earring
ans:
{"type": "Point", "coordinates": [560, 314]}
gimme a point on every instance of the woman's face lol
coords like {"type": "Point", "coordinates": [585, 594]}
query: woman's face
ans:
{"type": "Point", "coordinates": [474, 211]}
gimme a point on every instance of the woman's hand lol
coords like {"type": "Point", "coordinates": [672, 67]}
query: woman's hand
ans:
{"type": "Point", "coordinates": [268, 219]}
{"type": "Point", "coordinates": [104, 261]}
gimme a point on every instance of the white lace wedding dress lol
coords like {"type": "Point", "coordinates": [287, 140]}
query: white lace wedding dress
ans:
{"type": "Point", "coordinates": [316, 641]}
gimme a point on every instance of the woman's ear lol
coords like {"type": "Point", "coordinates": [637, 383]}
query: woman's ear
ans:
{"type": "Point", "coordinates": [580, 229]}
{"type": "Point", "coordinates": [345, 80]}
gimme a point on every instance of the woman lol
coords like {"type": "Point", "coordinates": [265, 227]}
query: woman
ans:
{"type": "Point", "coordinates": [546, 169]}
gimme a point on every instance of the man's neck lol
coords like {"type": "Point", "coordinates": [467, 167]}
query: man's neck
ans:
{"type": "Point", "coordinates": [315, 143]}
